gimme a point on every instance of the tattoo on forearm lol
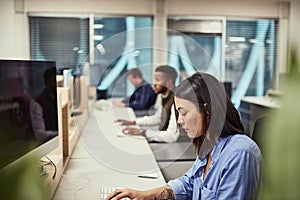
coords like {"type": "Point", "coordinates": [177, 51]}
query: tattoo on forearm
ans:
{"type": "Point", "coordinates": [166, 194]}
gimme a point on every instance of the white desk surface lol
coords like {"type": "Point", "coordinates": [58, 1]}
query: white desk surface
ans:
{"type": "Point", "coordinates": [264, 101]}
{"type": "Point", "coordinates": [103, 158]}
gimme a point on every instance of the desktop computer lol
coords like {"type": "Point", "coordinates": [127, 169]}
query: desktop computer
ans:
{"type": "Point", "coordinates": [28, 110]}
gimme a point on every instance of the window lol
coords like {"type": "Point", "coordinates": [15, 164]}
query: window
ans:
{"type": "Point", "coordinates": [249, 52]}
{"type": "Point", "coordinates": [64, 40]}
{"type": "Point", "coordinates": [121, 44]}
{"type": "Point", "coordinates": [250, 57]}
{"type": "Point", "coordinates": [198, 48]}
{"type": "Point", "coordinates": [243, 54]}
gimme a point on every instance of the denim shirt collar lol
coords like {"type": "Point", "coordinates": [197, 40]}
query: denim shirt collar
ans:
{"type": "Point", "coordinates": [217, 149]}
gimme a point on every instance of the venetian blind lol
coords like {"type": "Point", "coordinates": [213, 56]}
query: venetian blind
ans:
{"type": "Point", "coordinates": [61, 39]}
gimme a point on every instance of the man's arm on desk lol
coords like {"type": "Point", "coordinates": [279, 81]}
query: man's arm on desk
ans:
{"type": "Point", "coordinates": [144, 121]}
{"type": "Point", "coordinates": [164, 192]}
{"type": "Point", "coordinates": [119, 103]}
{"type": "Point", "coordinates": [169, 135]}
{"type": "Point", "coordinates": [126, 122]}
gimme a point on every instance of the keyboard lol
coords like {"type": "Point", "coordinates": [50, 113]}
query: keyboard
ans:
{"type": "Point", "coordinates": [105, 191]}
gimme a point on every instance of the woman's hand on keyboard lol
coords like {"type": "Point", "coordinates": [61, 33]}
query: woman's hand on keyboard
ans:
{"type": "Point", "coordinates": [164, 192]}
{"type": "Point", "coordinates": [127, 193]}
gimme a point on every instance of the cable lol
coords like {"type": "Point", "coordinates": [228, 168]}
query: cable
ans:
{"type": "Point", "coordinates": [55, 168]}
{"type": "Point", "coordinates": [66, 176]}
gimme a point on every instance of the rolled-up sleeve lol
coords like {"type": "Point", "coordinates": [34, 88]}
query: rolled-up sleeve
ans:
{"type": "Point", "coordinates": [183, 186]}
{"type": "Point", "coordinates": [150, 120]}
{"type": "Point", "coordinates": [169, 135]}
{"type": "Point", "coordinates": [178, 189]}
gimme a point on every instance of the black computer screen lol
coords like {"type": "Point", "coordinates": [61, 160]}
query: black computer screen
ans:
{"type": "Point", "coordinates": [28, 107]}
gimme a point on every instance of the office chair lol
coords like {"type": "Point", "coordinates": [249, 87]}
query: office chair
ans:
{"type": "Point", "coordinates": [259, 128]}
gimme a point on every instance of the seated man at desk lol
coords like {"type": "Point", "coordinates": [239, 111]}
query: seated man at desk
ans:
{"type": "Point", "coordinates": [143, 97]}
{"type": "Point", "coordinates": [164, 117]}
{"type": "Point", "coordinates": [43, 110]}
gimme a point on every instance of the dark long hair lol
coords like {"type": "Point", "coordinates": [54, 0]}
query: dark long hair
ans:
{"type": "Point", "coordinates": [211, 100]}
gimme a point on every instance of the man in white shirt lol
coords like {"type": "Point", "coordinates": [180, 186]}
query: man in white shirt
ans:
{"type": "Point", "coordinates": [40, 132]}
{"type": "Point", "coordinates": [165, 116]}
{"type": "Point", "coordinates": [43, 109]}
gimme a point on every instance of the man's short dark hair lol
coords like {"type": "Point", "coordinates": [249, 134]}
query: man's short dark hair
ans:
{"type": "Point", "coordinates": [167, 70]}
{"type": "Point", "coordinates": [135, 72]}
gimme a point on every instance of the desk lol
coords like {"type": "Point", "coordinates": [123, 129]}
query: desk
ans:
{"type": "Point", "coordinates": [174, 159]}
{"type": "Point", "coordinates": [179, 151]}
{"type": "Point", "coordinates": [105, 157]}
{"type": "Point", "coordinates": [253, 108]}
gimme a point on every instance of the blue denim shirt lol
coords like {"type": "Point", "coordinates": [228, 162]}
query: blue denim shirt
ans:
{"type": "Point", "coordinates": [234, 173]}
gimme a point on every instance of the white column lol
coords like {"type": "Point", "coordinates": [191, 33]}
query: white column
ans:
{"type": "Point", "coordinates": [160, 39]}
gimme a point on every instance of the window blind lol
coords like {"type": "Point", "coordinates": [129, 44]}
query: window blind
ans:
{"type": "Point", "coordinates": [60, 39]}
{"type": "Point", "coordinates": [250, 56]}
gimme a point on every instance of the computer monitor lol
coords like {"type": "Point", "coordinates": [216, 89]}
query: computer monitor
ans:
{"type": "Point", "coordinates": [28, 109]}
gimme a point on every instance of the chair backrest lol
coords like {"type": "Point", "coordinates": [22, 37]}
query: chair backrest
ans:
{"type": "Point", "coordinates": [258, 132]}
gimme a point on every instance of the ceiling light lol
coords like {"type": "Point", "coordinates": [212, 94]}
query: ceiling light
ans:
{"type": "Point", "coordinates": [98, 26]}
{"type": "Point", "coordinates": [237, 39]}
{"type": "Point", "coordinates": [98, 37]}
